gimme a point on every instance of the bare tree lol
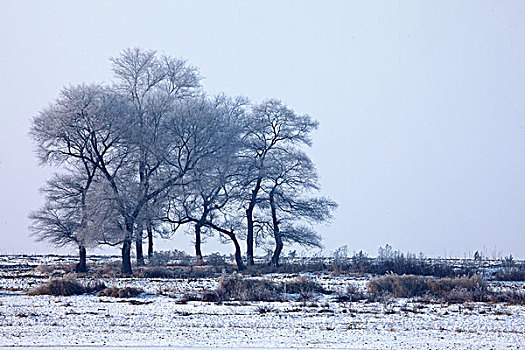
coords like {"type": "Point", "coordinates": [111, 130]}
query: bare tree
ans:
{"type": "Point", "coordinates": [70, 133]}
{"type": "Point", "coordinates": [212, 190]}
{"type": "Point", "coordinates": [271, 126]}
{"type": "Point", "coordinates": [152, 84]}
{"type": "Point", "coordinates": [63, 220]}
{"type": "Point", "coordinates": [291, 179]}
{"type": "Point", "coordinates": [88, 124]}
{"type": "Point", "coordinates": [152, 140]}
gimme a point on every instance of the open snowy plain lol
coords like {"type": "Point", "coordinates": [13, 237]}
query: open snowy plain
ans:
{"type": "Point", "coordinates": [158, 319]}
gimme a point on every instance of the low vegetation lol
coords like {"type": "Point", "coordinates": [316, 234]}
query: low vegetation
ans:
{"type": "Point", "coordinates": [303, 285]}
{"type": "Point", "coordinates": [351, 293]}
{"type": "Point", "coordinates": [66, 287]}
{"type": "Point", "coordinates": [117, 292]}
{"type": "Point", "coordinates": [157, 272]}
{"type": "Point", "coordinates": [452, 290]}
{"type": "Point", "coordinates": [235, 287]}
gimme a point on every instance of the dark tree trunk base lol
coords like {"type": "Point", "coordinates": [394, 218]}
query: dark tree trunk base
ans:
{"type": "Point", "coordinates": [198, 252]}
{"type": "Point", "coordinates": [126, 258]}
{"type": "Point", "coordinates": [150, 242]}
{"type": "Point", "coordinates": [238, 256]}
{"type": "Point", "coordinates": [249, 237]}
{"type": "Point", "coordinates": [140, 254]}
{"type": "Point", "coordinates": [276, 255]}
{"type": "Point", "coordinates": [82, 265]}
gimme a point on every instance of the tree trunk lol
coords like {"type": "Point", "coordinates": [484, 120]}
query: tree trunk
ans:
{"type": "Point", "coordinates": [126, 257]}
{"type": "Point", "coordinates": [139, 251]}
{"type": "Point", "coordinates": [249, 237]}
{"type": "Point", "coordinates": [276, 233]}
{"type": "Point", "coordinates": [249, 217]}
{"type": "Point", "coordinates": [277, 252]}
{"type": "Point", "coordinates": [150, 241]}
{"type": "Point", "coordinates": [198, 253]}
{"type": "Point", "coordinates": [138, 245]}
{"type": "Point", "coordinates": [238, 256]}
{"type": "Point", "coordinates": [81, 266]}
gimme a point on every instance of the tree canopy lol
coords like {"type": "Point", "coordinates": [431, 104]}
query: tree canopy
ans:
{"type": "Point", "coordinates": [152, 149]}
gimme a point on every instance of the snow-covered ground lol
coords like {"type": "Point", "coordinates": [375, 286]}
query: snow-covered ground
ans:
{"type": "Point", "coordinates": [157, 320]}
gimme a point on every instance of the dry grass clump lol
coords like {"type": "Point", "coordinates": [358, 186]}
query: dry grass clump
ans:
{"type": "Point", "coordinates": [352, 293]}
{"type": "Point", "coordinates": [514, 272]}
{"type": "Point", "coordinates": [514, 297]}
{"type": "Point", "coordinates": [460, 289]}
{"type": "Point", "coordinates": [244, 289]}
{"type": "Point", "coordinates": [303, 285]}
{"type": "Point", "coordinates": [112, 269]}
{"type": "Point", "coordinates": [399, 286]}
{"type": "Point", "coordinates": [157, 272]}
{"type": "Point", "coordinates": [454, 290]}
{"type": "Point", "coordinates": [116, 292]}
{"type": "Point", "coordinates": [186, 297]}
{"type": "Point", "coordinates": [66, 287]}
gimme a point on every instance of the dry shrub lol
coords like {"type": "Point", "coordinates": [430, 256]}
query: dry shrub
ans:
{"type": "Point", "coordinates": [399, 286]}
{"type": "Point", "coordinates": [112, 269]}
{"type": "Point", "coordinates": [352, 293]}
{"type": "Point", "coordinates": [454, 290]}
{"type": "Point", "coordinates": [211, 296]}
{"type": "Point", "coordinates": [116, 292]}
{"type": "Point", "coordinates": [174, 257]}
{"type": "Point", "coordinates": [157, 272]}
{"type": "Point", "coordinates": [459, 290]}
{"type": "Point", "coordinates": [306, 296]}
{"type": "Point", "coordinates": [444, 286]}
{"type": "Point", "coordinates": [514, 297]}
{"type": "Point", "coordinates": [186, 297]}
{"type": "Point", "coordinates": [62, 287]}
{"type": "Point", "coordinates": [217, 260]}
{"type": "Point", "coordinates": [303, 285]}
{"type": "Point", "coordinates": [243, 289]}
{"type": "Point", "coordinates": [94, 286]}
{"type": "Point", "coordinates": [65, 287]}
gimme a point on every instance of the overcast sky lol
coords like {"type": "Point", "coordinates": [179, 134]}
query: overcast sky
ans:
{"type": "Point", "coordinates": [421, 104]}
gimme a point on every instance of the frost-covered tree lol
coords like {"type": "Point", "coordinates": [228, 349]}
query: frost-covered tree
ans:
{"type": "Point", "coordinates": [207, 200]}
{"type": "Point", "coordinates": [152, 141]}
{"type": "Point", "coordinates": [64, 218]}
{"type": "Point", "coordinates": [270, 127]}
{"type": "Point", "coordinates": [152, 84]}
{"type": "Point", "coordinates": [132, 132]}
{"type": "Point", "coordinates": [291, 180]}
{"type": "Point", "coordinates": [70, 133]}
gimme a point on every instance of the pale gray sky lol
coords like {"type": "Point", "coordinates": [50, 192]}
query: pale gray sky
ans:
{"type": "Point", "coordinates": [421, 103]}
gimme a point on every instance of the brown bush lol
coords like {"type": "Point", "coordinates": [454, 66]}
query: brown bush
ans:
{"type": "Point", "coordinates": [303, 285]}
{"type": "Point", "coordinates": [243, 289]}
{"type": "Point", "coordinates": [454, 290]}
{"type": "Point", "coordinates": [112, 269]}
{"type": "Point", "coordinates": [157, 272]}
{"type": "Point", "coordinates": [444, 286]}
{"type": "Point", "coordinates": [116, 292]}
{"type": "Point", "coordinates": [399, 286]}
{"type": "Point", "coordinates": [65, 287]}
{"type": "Point", "coordinates": [211, 296]}
{"type": "Point", "coordinates": [514, 297]}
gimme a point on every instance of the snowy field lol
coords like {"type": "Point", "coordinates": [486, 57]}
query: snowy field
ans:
{"type": "Point", "coordinates": [157, 319]}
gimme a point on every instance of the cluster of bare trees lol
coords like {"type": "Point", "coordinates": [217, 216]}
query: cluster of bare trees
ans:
{"type": "Point", "coordinates": [151, 152]}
